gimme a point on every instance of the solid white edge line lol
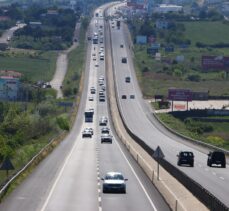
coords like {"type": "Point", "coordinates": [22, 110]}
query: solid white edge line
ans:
{"type": "Point", "coordinates": [58, 177]}
{"type": "Point", "coordinates": [135, 174]}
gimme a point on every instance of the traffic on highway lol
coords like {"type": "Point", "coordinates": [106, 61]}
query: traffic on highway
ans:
{"type": "Point", "coordinates": [92, 169]}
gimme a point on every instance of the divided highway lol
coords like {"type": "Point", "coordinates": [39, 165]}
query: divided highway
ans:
{"type": "Point", "coordinates": [69, 178]}
{"type": "Point", "coordinates": [135, 114]}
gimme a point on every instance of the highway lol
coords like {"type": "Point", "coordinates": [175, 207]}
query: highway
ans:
{"type": "Point", "coordinates": [137, 116]}
{"type": "Point", "coordinates": [69, 178]}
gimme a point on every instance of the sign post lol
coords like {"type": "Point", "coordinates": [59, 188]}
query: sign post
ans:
{"type": "Point", "coordinates": [158, 154]}
{"type": "Point", "coordinates": [7, 165]}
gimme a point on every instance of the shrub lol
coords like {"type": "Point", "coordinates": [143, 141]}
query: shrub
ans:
{"type": "Point", "coordinates": [197, 127]}
{"type": "Point", "coordinates": [63, 123]}
{"type": "Point", "coordinates": [216, 140]}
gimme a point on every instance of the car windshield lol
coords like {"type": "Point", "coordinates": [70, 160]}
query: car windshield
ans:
{"type": "Point", "coordinates": [186, 154]}
{"type": "Point", "coordinates": [114, 177]}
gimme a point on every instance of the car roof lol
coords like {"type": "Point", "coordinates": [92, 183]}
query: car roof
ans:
{"type": "Point", "coordinates": [112, 173]}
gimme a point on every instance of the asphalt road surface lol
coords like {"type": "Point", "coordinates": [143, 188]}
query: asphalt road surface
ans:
{"type": "Point", "coordinates": [69, 178]}
{"type": "Point", "coordinates": [138, 118]}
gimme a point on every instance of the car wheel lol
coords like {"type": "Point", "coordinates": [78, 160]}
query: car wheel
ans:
{"type": "Point", "coordinates": [192, 165]}
{"type": "Point", "coordinates": [223, 165]}
{"type": "Point", "coordinates": [178, 163]}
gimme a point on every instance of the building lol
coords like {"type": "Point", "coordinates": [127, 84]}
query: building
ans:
{"type": "Point", "coordinates": [215, 63]}
{"type": "Point", "coordinates": [4, 18]}
{"type": "Point", "coordinates": [35, 24]}
{"type": "Point", "coordinates": [137, 4]}
{"type": "Point", "coordinates": [162, 24]}
{"type": "Point", "coordinates": [166, 8]}
{"type": "Point", "coordinates": [52, 12]}
{"type": "Point", "coordinates": [9, 87]}
{"type": "Point", "coordinates": [141, 39]}
{"type": "Point", "coordinates": [225, 7]}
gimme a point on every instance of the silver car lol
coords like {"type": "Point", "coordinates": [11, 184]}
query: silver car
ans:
{"type": "Point", "coordinates": [114, 182]}
{"type": "Point", "coordinates": [106, 138]}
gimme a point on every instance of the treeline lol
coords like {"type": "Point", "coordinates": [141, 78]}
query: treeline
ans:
{"type": "Point", "coordinates": [216, 45]}
{"type": "Point", "coordinates": [54, 33]}
{"type": "Point", "coordinates": [24, 124]}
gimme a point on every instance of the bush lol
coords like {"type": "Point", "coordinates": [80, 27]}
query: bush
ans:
{"type": "Point", "coordinates": [197, 127]}
{"type": "Point", "coordinates": [216, 140]}
{"type": "Point", "coordinates": [194, 77]}
{"type": "Point", "coordinates": [46, 108]}
{"type": "Point", "coordinates": [63, 123]}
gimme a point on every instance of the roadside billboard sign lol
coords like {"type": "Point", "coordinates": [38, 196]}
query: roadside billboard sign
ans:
{"type": "Point", "coordinates": [179, 94]}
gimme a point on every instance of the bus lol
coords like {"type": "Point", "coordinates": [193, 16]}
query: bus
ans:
{"type": "Point", "coordinates": [89, 115]}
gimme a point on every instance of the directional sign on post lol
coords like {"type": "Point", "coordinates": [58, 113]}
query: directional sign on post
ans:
{"type": "Point", "coordinates": [158, 154]}
{"type": "Point", "coordinates": [7, 165]}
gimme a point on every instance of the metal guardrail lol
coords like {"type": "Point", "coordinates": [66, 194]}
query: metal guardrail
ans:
{"type": "Point", "coordinates": [197, 190]}
{"type": "Point", "coordinates": [36, 159]}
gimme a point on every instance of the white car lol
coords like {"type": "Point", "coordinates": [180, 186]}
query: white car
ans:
{"type": "Point", "coordinates": [103, 121]}
{"type": "Point", "coordinates": [87, 132]}
{"type": "Point", "coordinates": [106, 138]}
{"type": "Point", "coordinates": [114, 182]}
{"type": "Point", "coordinates": [105, 130]}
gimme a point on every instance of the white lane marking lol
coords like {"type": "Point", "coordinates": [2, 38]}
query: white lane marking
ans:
{"type": "Point", "coordinates": [135, 174]}
{"type": "Point", "coordinates": [221, 178]}
{"type": "Point", "coordinates": [213, 173]}
{"type": "Point", "coordinates": [99, 199]}
{"type": "Point", "coordinates": [59, 176]}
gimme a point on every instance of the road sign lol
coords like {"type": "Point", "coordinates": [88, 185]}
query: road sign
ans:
{"type": "Point", "coordinates": [158, 153]}
{"type": "Point", "coordinates": [7, 165]}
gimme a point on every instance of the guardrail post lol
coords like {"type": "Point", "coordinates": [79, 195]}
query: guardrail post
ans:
{"type": "Point", "coordinates": [153, 176]}
{"type": "Point", "coordinates": [176, 205]}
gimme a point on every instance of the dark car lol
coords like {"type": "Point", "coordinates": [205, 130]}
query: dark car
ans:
{"type": "Point", "coordinates": [216, 157]}
{"type": "Point", "coordinates": [124, 60]}
{"type": "Point", "coordinates": [185, 157]}
{"type": "Point", "coordinates": [127, 79]}
{"type": "Point", "coordinates": [123, 96]}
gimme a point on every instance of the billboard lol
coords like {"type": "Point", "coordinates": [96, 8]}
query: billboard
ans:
{"type": "Point", "coordinates": [215, 62]}
{"type": "Point", "coordinates": [179, 94]}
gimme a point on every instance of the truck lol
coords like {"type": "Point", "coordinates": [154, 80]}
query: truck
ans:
{"type": "Point", "coordinates": [95, 39]}
{"type": "Point", "coordinates": [88, 114]}
{"type": "Point", "coordinates": [118, 23]}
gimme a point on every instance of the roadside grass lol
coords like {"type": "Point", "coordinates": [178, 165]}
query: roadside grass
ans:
{"type": "Point", "coordinates": [76, 62]}
{"type": "Point", "coordinates": [156, 77]}
{"type": "Point", "coordinates": [28, 151]}
{"type": "Point", "coordinates": [33, 66]}
{"type": "Point", "coordinates": [218, 137]}
{"type": "Point", "coordinates": [24, 154]}
{"type": "Point", "coordinates": [207, 32]}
